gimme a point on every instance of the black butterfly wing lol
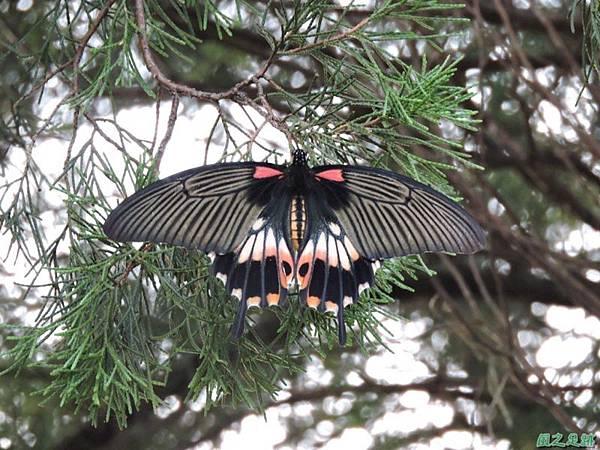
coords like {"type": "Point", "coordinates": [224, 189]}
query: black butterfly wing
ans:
{"type": "Point", "coordinates": [209, 208]}
{"type": "Point", "coordinates": [240, 211]}
{"type": "Point", "coordinates": [388, 215]}
{"type": "Point", "coordinates": [260, 270]}
{"type": "Point", "coordinates": [330, 271]}
{"type": "Point", "coordinates": [358, 216]}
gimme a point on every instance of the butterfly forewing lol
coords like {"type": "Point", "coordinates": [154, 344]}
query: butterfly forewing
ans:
{"type": "Point", "coordinates": [209, 208]}
{"type": "Point", "coordinates": [388, 215]}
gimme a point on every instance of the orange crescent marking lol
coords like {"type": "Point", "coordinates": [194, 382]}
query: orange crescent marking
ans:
{"type": "Point", "coordinates": [284, 256]}
{"type": "Point", "coordinates": [331, 175]}
{"type": "Point", "coordinates": [254, 301]}
{"type": "Point", "coordinates": [272, 299]}
{"type": "Point", "coordinates": [331, 306]}
{"type": "Point", "coordinates": [266, 172]}
{"type": "Point", "coordinates": [313, 301]}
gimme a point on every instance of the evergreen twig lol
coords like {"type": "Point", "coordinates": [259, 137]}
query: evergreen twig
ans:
{"type": "Point", "coordinates": [119, 315]}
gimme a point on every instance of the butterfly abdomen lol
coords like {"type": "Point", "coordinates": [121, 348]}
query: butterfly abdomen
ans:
{"type": "Point", "coordinates": [297, 221]}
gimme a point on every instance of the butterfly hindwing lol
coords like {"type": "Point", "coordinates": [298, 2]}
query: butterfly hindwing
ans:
{"type": "Point", "coordinates": [331, 273]}
{"type": "Point", "coordinates": [259, 271]}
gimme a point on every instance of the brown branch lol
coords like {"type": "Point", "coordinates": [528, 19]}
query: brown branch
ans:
{"type": "Point", "coordinates": [169, 131]}
{"type": "Point", "coordinates": [441, 387]}
{"type": "Point", "coordinates": [156, 120]}
{"type": "Point", "coordinates": [122, 279]}
{"type": "Point", "coordinates": [74, 62]}
{"type": "Point", "coordinates": [86, 38]}
{"type": "Point", "coordinates": [183, 89]}
{"type": "Point", "coordinates": [477, 336]}
{"type": "Point", "coordinates": [521, 18]}
{"type": "Point", "coordinates": [327, 42]}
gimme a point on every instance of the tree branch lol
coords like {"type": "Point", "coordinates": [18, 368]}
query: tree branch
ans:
{"type": "Point", "coordinates": [182, 89]}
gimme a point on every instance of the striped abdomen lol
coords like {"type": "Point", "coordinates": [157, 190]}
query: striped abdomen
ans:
{"type": "Point", "coordinates": [297, 221]}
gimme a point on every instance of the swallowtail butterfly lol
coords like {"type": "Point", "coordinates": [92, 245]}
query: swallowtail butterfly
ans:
{"type": "Point", "coordinates": [323, 230]}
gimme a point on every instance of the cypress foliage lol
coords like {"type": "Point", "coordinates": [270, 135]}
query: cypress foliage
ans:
{"type": "Point", "coordinates": [120, 315]}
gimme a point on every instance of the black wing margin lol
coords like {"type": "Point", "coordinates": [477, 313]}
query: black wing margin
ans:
{"type": "Point", "coordinates": [388, 215]}
{"type": "Point", "coordinates": [209, 208]}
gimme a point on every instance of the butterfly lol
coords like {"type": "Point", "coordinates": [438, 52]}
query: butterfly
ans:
{"type": "Point", "coordinates": [269, 228]}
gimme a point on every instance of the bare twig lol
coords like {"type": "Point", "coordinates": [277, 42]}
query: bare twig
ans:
{"type": "Point", "coordinates": [74, 62]}
{"type": "Point", "coordinates": [182, 89]}
{"type": "Point", "coordinates": [168, 132]}
{"type": "Point", "coordinates": [330, 41]}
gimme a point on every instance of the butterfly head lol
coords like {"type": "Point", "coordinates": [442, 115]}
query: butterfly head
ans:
{"type": "Point", "coordinates": [299, 158]}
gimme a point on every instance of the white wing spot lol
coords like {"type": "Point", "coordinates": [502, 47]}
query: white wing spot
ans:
{"type": "Point", "coordinates": [332, 255]}
{"type": "Point", "coordinates": [344, 261]}
{"type": "Point", "coordinates": [237, 293]}
{"type": "Point", "coordinates": [362, 287]}
{"type": "Point", "coordinates": [351, 250]}
{"type": "Point", "coordinates": [246, 250]}
{"type": "Point", "coordinates": [258, 224]}
{"type": "Point", "coordinates": [270, 243]}
{"type": "Point", "coordinates": [322, 245]}
{"type": "Point", "coordinates": [254, 301]}
{"type": "Point", "coordinates": [335, 229]}
{"type": "Point", "coordinates": [257, 253]}
{"type": "Point", "coordinates": [222, 277]}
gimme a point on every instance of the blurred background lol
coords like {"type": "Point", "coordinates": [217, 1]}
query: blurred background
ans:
{"type": "Point", "coordinates": [494, 351]}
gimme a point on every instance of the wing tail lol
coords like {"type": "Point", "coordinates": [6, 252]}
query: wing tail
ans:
{"type": "Point", "coordinates": [331, 273]}
{"type": "Point", "coordinates": [257, 273]}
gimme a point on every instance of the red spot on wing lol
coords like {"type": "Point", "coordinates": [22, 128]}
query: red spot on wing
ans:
{"type": "Point", "coordinates": [331, 175]}
{"type": "Point", "coordinates": [266, 172]}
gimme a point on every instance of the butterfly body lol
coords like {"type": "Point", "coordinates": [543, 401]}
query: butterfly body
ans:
{"type": "Point", "coordinates": [322, 230]}
{"type": "Point", "coordinates": [297, 221]}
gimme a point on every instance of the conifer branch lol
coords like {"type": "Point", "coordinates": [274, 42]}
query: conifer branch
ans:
{"type": "Point", "coordinates": [179, 88]}
{"type": "Point", "coordinates": [126, 313]}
